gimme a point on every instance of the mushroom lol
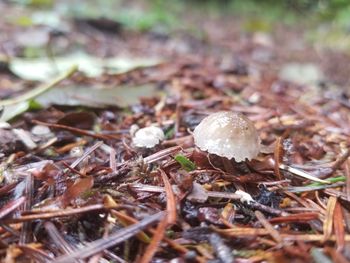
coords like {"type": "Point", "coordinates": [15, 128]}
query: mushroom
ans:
{"type": "Point", "coordinates": [228, 134]}
{"type": "Point", "coordinates": [148, 137]}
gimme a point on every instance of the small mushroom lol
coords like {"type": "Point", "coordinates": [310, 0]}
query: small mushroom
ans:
{"type": "Point", "coordinates": [148, 137]}
{"type": "Point", "coordinates": [228, 134]}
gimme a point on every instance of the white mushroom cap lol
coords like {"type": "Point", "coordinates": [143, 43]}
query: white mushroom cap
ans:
{"type": "Point", "coordinates": [228, 134]}
{"type": "Point", "coordinates": [148, 137]}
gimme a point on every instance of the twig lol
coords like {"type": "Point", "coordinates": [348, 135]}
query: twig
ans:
{"type": "Point", "coordinates": [270, 210]}
{"type": "Point", "coordinates": [74, 130]}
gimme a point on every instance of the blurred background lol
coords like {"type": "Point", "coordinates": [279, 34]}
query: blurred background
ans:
{"type": "Point", "coordinates": [302, 40]}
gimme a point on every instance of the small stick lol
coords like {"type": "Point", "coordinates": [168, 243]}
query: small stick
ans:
{"type": "Point", "coordinates": [74, 130]}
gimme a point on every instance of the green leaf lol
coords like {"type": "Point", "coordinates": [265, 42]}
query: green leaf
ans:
{"type": "Point", "coordinates": [334, 182]}
{"type": "Point", "coordinates": [300, 189]}
{"type": "Point", "coordinates": [331, 180]}
{"type": "Point", "coordinates": [185, 163]}
{"type": "Point", "coordinates": [34, 105]}
{"type": "Point", "coordinates": [169, 133]}
{"type": "Point", "coordinates": [24, 21]}
{"type": "Point", "coordinates": [36, 3]}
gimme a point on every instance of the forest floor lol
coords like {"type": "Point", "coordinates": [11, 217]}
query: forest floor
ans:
{"type": "Point", "coordinates": [77, 90]}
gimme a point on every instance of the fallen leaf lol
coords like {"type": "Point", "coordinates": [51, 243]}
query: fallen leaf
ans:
{"type": "Point", "coordinates": [185, 163]}
{"type": "Point", "coordinates": [79, 187]}
{"type": "Point", "coordinates": [41, 69]}
{"type": "Point", "coordinates": [82, 120]}
{"type": "Point", "coordinates": [96, 97]}
{"type": "Point", "coordinates": [302, 74]}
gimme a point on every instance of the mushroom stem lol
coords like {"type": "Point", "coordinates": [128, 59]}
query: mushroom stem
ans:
{"type": "Point", "coordinates": [229, 168]}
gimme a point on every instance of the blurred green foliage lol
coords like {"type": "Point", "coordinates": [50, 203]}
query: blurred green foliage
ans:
{"type": "Point", "coordinates": [326, 22]}
{"type": "Point", "coordinates": [35, 3]}
{"type": "Point", "coordinates": [165, 15]}
{"type": "Point", "coordinates": [288, 11]}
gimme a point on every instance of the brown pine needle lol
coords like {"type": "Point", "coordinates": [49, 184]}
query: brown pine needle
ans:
{"type": "Point", "coordinates": [278, 152]}
{"type": "Point", "coordinates": [172, 243]}
{"type": "Point", "coordinates": [86, 154]}
{"type": "Point", "coordinates": [328, 223]}
{"type": "Point", "coordinates": [11, 206]}
{"type": "Point", "coordinates": [245, 232]}
{"type": "Point", "coordinates": [300, 217]}
{"type": "Point", "coordinates": [339, 229]}
{"type": "Point", "coordinates": [273, 232]}
{"type": "Point", "coordinates": [57, 238]}
{"type": "Point", "coordinates": [101, 244]}
{"type": "Point", "coordinates": [58, 213]}
{"type": "Point", "coordinates": [171, 202]}
{"type": "Point", "coordinates": [128, 220]}
{"type": "Point", "coordinates": [69, 146]}
{"type": "Point", "coordinates": [157, 238]}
